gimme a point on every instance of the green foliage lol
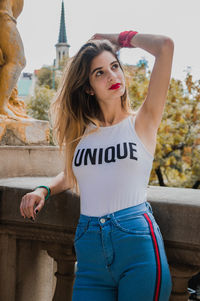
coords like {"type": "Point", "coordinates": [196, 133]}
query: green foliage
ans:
{"type": "Point", "coordinates": [44, 77]}
{"type": "Point", "coordinates": [177, 156]}
{"type": "Point", "coordinates": [178, 145]}
{"type": "Point", "coordinates": [38, 105]}
{"type": "Point", "coordinates": [47, 77]}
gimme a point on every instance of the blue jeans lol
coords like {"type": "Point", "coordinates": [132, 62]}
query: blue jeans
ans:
{"type": "Point", "coordinates": [121, 257]}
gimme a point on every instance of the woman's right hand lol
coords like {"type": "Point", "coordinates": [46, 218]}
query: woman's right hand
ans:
{"type": "Point", "coordinates": [32, 203]}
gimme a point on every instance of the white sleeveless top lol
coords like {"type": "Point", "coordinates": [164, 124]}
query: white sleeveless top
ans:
{"type": "Point", "coordinates": [112, 168]}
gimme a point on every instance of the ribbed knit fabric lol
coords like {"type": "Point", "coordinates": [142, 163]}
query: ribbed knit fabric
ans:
{"type": "Point", "coordinates": [112, 168]}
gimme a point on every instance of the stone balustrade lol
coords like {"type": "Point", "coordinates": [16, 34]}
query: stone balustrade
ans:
{"type": "Point", "coordinates": [37, 258]}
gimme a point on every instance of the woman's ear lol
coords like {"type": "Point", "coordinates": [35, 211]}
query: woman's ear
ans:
{"type": "Point", "coordinates": [89, 91]}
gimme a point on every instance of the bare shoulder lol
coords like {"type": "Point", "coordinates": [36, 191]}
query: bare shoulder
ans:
{"type": "Point", "coordinates": [145, 132]}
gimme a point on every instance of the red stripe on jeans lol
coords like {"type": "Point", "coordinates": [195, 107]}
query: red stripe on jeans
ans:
{"type": "Point", "coordinates": [158, 261]}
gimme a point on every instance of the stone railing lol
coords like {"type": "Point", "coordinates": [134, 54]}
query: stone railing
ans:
{"type": "Point", "coordinates": [37, 258]}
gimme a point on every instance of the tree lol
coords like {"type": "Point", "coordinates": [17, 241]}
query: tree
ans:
{"type": "Point", "coordinates": [47, 77]}
{"type": "Point", "coordinates": [44, 77]}
{"type": "Point", "coordinates": [177, 155]}
{"type": "Point", "coordinates": [38, 105]}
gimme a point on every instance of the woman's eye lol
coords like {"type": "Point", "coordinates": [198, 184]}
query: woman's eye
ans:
{"type": "Point", "coordinates": [115, 66]}
{"type": "Point", "coordinates": [99, 73]}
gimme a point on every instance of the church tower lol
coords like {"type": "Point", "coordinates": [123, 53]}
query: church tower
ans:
{"type": "Point", "coordinates": [62, 47]}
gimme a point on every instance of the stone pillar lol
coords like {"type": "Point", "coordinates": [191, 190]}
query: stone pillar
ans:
{"type": "Point", "coordinates": [8, 267]}
{"type": "Point", "coordinates": [181, 274]}
{"type": "Point", "coordinates": [35, 279]}
{"type": "Point", "coordinates": [65, 259]}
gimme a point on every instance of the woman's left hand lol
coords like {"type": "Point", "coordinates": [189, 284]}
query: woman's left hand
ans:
{"type": "Point", "coordinates": [112, 37]}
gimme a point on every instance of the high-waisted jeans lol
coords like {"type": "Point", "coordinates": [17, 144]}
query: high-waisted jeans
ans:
{"type": "Point", "coordinates": [121, 257]}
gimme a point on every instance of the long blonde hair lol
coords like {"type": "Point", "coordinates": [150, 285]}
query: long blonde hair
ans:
{"type": "Point", "coordinates": [73, 109]}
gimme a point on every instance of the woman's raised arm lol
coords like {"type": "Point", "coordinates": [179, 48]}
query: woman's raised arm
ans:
{"type": "Point", "coordinates": [162, 47]}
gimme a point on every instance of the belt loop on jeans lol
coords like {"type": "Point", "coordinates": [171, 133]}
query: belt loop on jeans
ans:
{"type": "Point", "coordinates": [88, 222]}
{"type": "Point", "coordinates": [149, 206]}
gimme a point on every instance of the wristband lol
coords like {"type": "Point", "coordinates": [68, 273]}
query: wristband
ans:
{"type": "Point", "coordinates": [47, 188]}
{"type": "Point", "coordinates": [124, 39]}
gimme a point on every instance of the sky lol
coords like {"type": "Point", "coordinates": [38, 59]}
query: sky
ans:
{"type": "Point", "coordinates": [39, 23]}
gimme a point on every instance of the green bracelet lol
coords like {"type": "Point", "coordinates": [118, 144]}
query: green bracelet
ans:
{"type": "Point", "coordinates": [47, 188]}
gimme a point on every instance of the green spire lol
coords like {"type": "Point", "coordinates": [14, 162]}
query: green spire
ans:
{"type": "Point", "coordinates": [62, 34]}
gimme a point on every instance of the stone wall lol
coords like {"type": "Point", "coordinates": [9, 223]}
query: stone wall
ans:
{"type": "Point", "coordinates": [30, 161]}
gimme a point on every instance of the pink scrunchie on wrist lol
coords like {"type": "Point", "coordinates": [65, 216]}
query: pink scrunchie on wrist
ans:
{"type": "Point", "coordinates": [125, 37]}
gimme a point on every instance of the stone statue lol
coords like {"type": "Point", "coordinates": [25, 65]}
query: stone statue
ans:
{"type": "Point", "coordinates": [12, 60]}
{"type": "Point", "coordinates": [16, 127]}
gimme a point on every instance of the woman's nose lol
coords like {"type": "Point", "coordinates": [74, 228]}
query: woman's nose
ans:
{"type": "Point", "coordinates": [111, 75]}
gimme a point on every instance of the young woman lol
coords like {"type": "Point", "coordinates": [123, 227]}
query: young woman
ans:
{"type": "Point", "coordinates": [109, 151]}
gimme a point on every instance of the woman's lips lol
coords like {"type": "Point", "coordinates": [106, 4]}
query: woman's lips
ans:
{"type": "Point", "coordinates": [114, 87]}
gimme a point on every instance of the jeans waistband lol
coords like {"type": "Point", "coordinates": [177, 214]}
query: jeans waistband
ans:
{"type": "Point", "coordinates": [120, 214]}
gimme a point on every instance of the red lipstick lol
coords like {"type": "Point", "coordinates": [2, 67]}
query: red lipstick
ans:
{"type": "Point", "coordinates": [115, 86]}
